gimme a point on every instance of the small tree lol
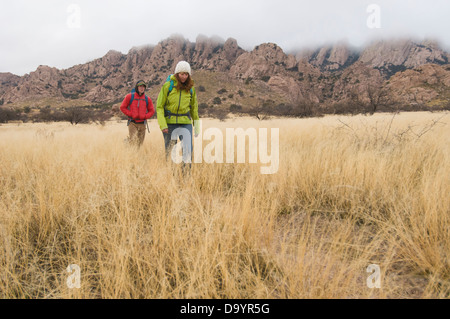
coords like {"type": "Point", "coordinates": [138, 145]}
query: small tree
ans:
{"type": "Point", "coordinates": [202, 109]}
{"type": "Point", "coordinates": [377, 97]}
{"type": "Point", "coordinates": [100, 116]}
{"type": "Point", "coordinates": [76, 115]}
{"type": "Point", "coordinates": [7, 115]}
{"type": "Point", "coordinates": [45, 115]}
{"type": "Point", "coordinates": [259, 112]}
{"type": "Point", "coordinates": [220, 113]}
{"type": "Point", "coordinates": [234, 108]}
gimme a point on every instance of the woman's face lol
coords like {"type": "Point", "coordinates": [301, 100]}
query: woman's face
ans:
{"type": "Point", "coordinates": [183, 76]}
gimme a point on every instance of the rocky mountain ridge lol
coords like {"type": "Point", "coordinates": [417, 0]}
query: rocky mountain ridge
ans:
{"type": "Point", "coordinates": [404, 71]}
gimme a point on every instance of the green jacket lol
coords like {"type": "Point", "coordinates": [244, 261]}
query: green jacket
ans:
{"type": "Point", "coordinates": [177, 103]}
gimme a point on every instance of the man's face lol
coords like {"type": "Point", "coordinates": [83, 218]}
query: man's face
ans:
{"type": "Point", "coordinates": [141, 89]}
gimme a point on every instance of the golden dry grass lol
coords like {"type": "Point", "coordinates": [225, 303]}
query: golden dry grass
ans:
{"type": "Point", "coordinates": [350, 192]}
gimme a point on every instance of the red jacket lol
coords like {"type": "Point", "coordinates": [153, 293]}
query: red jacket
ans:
{"type": "Point", "coordinates": [138, 110]}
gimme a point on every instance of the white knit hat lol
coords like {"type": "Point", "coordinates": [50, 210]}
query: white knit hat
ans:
{"type": "Point", "coordinates": [183, 66]}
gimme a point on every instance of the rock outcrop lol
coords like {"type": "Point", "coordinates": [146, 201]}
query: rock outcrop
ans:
{"type": "Point", "coordinates": [264, 61]}
{"type": "Point", "coordinates": [214, 54]}
{"type": "Point", "coordinates": [7, 82]}
{"type": "Point", "coordinates": [393, 56]}
{"type": "Point", "coordinates": [426, 84]}
{"type": "Point", "coordinates": [43, 82]}
{"type": "Point", "coordinates": [330, 58]}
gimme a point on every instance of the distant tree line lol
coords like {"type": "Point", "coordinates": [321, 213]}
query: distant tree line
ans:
{"type": "Point", "coordinates": [377, 102]}
{"type": "Point", "coordinates": [305, 109]}
{"type": "Point", "coordinates": [73, 115]}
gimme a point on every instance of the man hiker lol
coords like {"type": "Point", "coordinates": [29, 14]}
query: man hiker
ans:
{"type": "Point", "coordinates": [139, 108]}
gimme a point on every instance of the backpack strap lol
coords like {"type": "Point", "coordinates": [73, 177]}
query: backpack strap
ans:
{"type": "Point", "coordinates": [146, 111]}
{"type": "Point", "coordinates": [129, 105]}
{"type": "Point", "coordinates": [170, 114]}
{"type": "Point", "coordinates": [169, 79]}
{"type": "Point", "coordinates": [132, 98]}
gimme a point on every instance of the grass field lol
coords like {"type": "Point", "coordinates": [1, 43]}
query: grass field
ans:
{"type": "Point", "coordinates": [350, 192]}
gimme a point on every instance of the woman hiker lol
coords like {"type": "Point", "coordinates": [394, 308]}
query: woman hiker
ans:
{"type": "Point", "coordinates": [139, 108]}
{"type": "Point", "coordinates": [176, 109]}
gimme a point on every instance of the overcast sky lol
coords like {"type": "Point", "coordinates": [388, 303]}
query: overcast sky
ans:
{"type": "Point", "coordinates": [62, 33]}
